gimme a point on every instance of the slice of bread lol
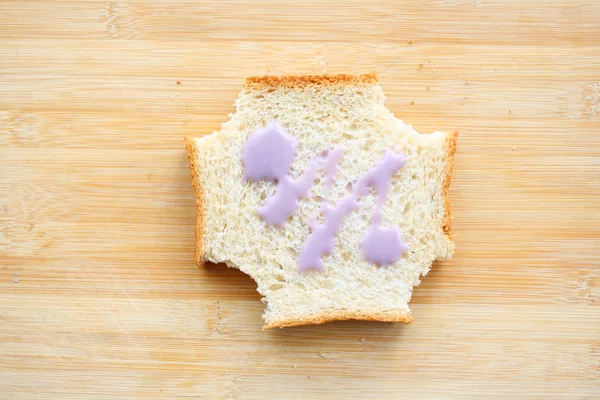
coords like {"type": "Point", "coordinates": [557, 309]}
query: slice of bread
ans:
{"type": "Point", "coordinates": [323, 112]}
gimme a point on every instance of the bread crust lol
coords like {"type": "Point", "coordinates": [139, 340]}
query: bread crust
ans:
{"type": "Point", "coordinates": [190, 145]}
{"type": "Point", "coordinates": [451, 150]}
{"type": "Point", "coordinates": [393, 316]}
{"type": "Point", "coordinates": [302, 81]}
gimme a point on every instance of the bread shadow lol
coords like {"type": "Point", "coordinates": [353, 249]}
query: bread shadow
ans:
{"type": "Point", "coordinates": [340, 345]}
{"type": "Point", "coordinates": [350, 329]}
{"type": "Point", "coordinates": [231, 282]}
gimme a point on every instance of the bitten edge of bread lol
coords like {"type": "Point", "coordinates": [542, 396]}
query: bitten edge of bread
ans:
{"type": "Point", "coordinates": [302, 81]}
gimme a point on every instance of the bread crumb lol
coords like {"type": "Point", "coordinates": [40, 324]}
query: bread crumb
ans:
{"type": "Point", "coordinates": [178, 82]}
{"type": "Point", "coordinates": [295, 366]}
{"type": "Point", "coordinates": [362, 340]}
{"type": "Point", "coordinates": [467, 83]}
{"type": "Point", "coordinates": [433, 70]}
{"type": "Point", "coordinates": [420, 66]}
{"type": "Point", "coordinates": [412, 103]}
{"type": "Point", "coordinates": [514, 148]}
{"type": "Point", "coordinates": [15, 281]}
{"type": "Point", "coordinates": [428, 88]}
{"type": "Point", "coordinates": [321, 355]}
{"type": "Point", "coordinates": [429, 61]}
{"type": "Point", "coordinates": [410, 42]}
{"type": "Point", "coordinates": [16, 273]}
{"type": "Point", "coordinates": [510, 111]}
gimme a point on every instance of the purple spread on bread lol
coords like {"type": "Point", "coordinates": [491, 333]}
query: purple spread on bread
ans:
{"type": "Point", "coordinates": [268, 154]}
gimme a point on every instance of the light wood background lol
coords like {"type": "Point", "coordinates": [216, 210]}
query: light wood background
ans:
{"type": "Point", "coordinates": [99, 297]}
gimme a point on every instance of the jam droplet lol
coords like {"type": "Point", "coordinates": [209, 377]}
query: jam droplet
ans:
{"type": "Point", "coordinates": [268, 154]}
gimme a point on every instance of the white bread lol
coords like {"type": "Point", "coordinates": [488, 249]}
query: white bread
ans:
{"type": "Point", "coordinates": [322, 112]}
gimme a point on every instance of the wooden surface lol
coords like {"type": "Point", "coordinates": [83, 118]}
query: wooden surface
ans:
{"type": "Point", "coordinates": [99, 297]}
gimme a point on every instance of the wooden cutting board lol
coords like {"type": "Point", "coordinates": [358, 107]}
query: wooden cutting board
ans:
{"type": "Point", "coordinates": [99, 297]}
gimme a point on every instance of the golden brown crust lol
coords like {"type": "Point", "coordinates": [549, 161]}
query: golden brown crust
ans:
{"type": "Point", "coordinates": [301, 81]}
{"type": "Point", "coordinates": [451, 149]}
{"type": "Point", "coordinates": [191, 147]}
{"type": "Point", "coordinates": [393, 316]}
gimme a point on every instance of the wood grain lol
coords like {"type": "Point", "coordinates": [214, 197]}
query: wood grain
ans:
{"type": "Point", "coordinates": [98, 294]}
